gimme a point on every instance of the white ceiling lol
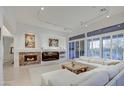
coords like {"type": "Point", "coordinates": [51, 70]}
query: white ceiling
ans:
{"type": "Point", "coordinates": [60, 18]}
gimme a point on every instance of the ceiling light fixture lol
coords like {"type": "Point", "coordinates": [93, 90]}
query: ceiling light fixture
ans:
{"type": "Point", "coordinates": [102, 13]}
{"type": "Point", "coordinates": [52, 24]}
{"type": "Point", "coordinates": [107, 16]}
{"type": "Point", "coordinates": [86, 25]}
{"type": "Point", "coordinates": [42, 8]}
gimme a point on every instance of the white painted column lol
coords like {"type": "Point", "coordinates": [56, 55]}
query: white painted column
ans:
{"type": "Point", "coordinates": [1, 47]}
{"type": "Point", "coordinates": [16, 53]}
{"type": "Point", "coordinates": [85, 45]}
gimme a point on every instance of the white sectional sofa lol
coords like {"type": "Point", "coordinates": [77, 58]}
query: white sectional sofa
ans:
{"type": "Point", "coordinates": [100, 61]}
{"type": "Point", "coordinates": [102, 75]}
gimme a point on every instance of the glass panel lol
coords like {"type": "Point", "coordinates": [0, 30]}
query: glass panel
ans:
{"type": "Point", "coordinates": [73, 50]}
{"type": "Point", "coordinates": [89, 47]}
{"type": "Point", "coordinates": [77, 49]}
{"type": "Point", "coordinates": [106, 45]}
{"type": "Point", "coordinates": [117, 47]}
{"type": "Point", "coordinates": [82, 48]}
{"type": "Point", "coordinates": [96, 47]}
{"type": "Point", "coordinates": [70, 50]}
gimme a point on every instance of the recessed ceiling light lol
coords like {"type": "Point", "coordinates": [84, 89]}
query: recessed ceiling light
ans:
{"type": "Point", "coordinates": [42, 8]}
{"type": "Point", "coordinates": [86, 25]}
{"type": "Point", "coordinates": [107, 16]}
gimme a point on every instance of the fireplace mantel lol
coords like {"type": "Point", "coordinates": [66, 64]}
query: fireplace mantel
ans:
{"type": "Point", "coordinates": [47, 50]}
{"type": "Point", "coordinates": [29, 50]}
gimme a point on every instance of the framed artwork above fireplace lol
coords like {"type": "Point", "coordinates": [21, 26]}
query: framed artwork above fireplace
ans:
{"type": "Point", "coordinates": [29, 41]}
{"type": "Point", "coordinates": [53, 42]}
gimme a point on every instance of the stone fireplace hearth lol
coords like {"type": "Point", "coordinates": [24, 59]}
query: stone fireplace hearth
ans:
{"type": "Point", "coordinates": [26, 58]}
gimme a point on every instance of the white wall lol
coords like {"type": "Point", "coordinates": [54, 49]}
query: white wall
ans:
{"type": "Point", "coordinates": [41, 39]}
{"type": "Point", "coordinates": [9, 20]}
{"type": "Point", "coordinates": [1, 47]}
{"type": "Point", "coordinates": [8, 41]}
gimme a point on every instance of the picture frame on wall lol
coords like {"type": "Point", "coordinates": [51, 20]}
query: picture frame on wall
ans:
{"type": "Point", "coordinates": [53, 42]}
{"type": "Point", "coordinates": [29, 41]}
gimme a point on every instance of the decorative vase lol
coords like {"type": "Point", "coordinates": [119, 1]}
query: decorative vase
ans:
{"type": "Point", "coordinates": [73, 64]}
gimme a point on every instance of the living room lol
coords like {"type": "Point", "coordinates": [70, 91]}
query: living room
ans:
{"type": "Point", "coordinates": [41, 44]}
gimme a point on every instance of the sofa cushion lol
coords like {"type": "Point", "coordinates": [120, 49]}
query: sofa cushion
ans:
{"type": "Point", "coordinates": [111, 62]}
{"type": "Point", "coordinates": [98, 79]}
{"type": "Point", "coordinates": [96, 60]}
{"type": "Point", "coordinates": [59, 77]}
{"type": "Point", "coordinates": [120, 66]}
{"type": "Point", "coordinates": [85, 76]}
{"type": "Point", "coordinates": [112, 71]}
{"type": "Point", "coordinates": [118, 80]}
{"type": "Point", "coordinates": [84, 58]}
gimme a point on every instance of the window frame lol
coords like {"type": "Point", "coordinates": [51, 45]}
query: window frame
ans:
{"type": "Point", "coordinates": [100, 37]}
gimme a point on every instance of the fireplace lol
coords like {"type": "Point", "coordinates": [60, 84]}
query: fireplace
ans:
{"type": "Point", "coordinates": [26, 58]}
{"type": "Point", "coordinates": [30, 58]}
{"type": "Point", "coordinates": [49, 56]}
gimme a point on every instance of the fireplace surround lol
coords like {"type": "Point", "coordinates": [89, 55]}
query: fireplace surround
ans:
{"type": "Point", "coordinates": [26, 58]}
{"type": "Point", "coordinates": [49, 56]}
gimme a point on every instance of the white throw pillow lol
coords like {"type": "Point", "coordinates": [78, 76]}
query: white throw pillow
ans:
{"type": "Point", "coordinates": [84, 58]}
{"type": "Point", "coordinates": [98, 79]}
{"type": "Point", "coordinates": [96, 60]}
{"type": "Point", "coordinates": [111, 62]}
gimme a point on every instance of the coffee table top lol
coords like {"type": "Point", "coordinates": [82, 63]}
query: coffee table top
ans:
{"type": "Point", "coordinates": [76, 66]}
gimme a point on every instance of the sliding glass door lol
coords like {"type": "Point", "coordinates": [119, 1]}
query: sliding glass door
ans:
{"type": "Point", "coordinates": [76, 49]}
{"type": "Point", "coordinates": [71, 50]}
{"type": "Point", "coordinates": [89, 47]}
{"type": "Point", "coordinates": [93, 47]}
{"type": "Point", "coordinates": [106, 47]}
{"type": "Point", "coordinates": [117, 47]}
{"type": "Point", "coordinates": [96, 48]}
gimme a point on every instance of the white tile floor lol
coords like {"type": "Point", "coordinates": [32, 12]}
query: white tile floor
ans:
{"type": "Point", "coordinates": [26, 75]}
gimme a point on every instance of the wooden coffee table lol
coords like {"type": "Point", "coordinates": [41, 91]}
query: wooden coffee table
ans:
{"type": "Point", "coordinates": [76, 68]}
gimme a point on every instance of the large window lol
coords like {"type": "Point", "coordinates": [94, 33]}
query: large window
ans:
{"type": "Point", "coordinates": [71, 50]}
{"type": "Point", "coordinates": [93, 47]}
{"type": "Point", "coordinates": [89, 47]}
{"type": "Point", "coordinates": [117, 47]}
{"type": "Point", "coordinates": [106, 46]}
{"type": "Point", "coordinates": [77, 49]}
{"type": "Point", "coordinates": [96, 47]}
